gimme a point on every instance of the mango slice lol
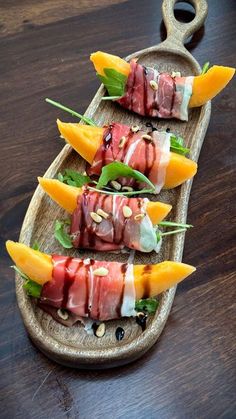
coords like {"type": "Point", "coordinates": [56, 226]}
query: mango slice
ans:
{"type": "Point", "coordinates": [208, 85]}
{"type": "Point", "coordinates": [149, 280]}
{"type": "Point", "coordinates": [103, 60]}
{"type": "Point", "coordinates": [36, 265]}
{"type": "Point", "coordinates": [66, 196]}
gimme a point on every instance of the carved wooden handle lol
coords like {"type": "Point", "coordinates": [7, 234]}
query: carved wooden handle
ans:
{"type": "Point", "coordinates": [179, 31]}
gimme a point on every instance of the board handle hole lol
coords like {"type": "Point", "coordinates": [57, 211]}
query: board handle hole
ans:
{"type": "Point", "coordinates": [184, 12]}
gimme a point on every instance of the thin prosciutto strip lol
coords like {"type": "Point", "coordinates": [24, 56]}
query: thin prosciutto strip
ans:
{"type": "Point", "coordinates": [75, 286]}
{"type": "Point", "coordinates": [115, 231]}
{"type": "Point", "coordinates": [149, 156]}
{"type": "Point", "coordinates": [169, 100]}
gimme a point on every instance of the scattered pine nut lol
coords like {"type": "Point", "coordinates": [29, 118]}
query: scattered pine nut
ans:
{"type": "Point", "coordinates": [62, 314]}
{"type": "Point", "coordinates": [127, 188]}
{"type": "Point", "coordinates": [147, 137]}
{"type": "Point", "coordinates": [116, 185]}
{"type": "Point", "coordinates": [122, 141]}
{"type": "Point", "coordinates": [96, 217]}
{"type": "Point", "coordinates": [153, 84]}
{"type": "Point", "coordinates": [135, 128]}
{"type": "Point", "coordinates": [139, 217]}
{"type": "Point", "coordinates": [100, 332]}
{"type": "Point", "coordinates": [102, 213]}
{"type": "Point", "coordinates": [127, 211]}
{"type": "Point", "coordinates": [101, 271]}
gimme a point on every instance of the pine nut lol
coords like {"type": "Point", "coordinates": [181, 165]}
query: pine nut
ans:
{"type": "Point", "coordinates": [175, 74]}
{"type": "Point", "coordinates": [139, 217]}
{"type": "Point", "coordinates": [122, 141]}
{"type": "Point", "coordinates": [153, 84]}
{"type": "Point", "coordinates": [127, 211]}
{"type": "Point", "coordinates": [101, 271]}
{"type": "Point", "coordinates": [135, 128]}
{"type": "Point", "coordinates": [62, 314]}
{"type": "Point", "coordinates": [127, 188]}
{"type": "Point", "coordinates": [100, 332]}
{"type": "Point", "coordinates": [96, 217]}
{"type": "Point", "coordinates": [146, 137]}
{"type": "Point", "coordinates": [116, 185]}
{"type": "Point", "coordinates": [102, 213]}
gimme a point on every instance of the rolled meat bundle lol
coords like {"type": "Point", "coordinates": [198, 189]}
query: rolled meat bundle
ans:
{"type": "Point", "coordinates": [147, 151]}
{"type": "Point", "coordinates": [108, 222]}
{"type": "Point", "coordinates": [148, 92]}
{"type": "Point", "coordinates": [88, 288]}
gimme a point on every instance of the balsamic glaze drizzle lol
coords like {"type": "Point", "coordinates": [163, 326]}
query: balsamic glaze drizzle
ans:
{"type": "Point", "coordinates": [120, 333]}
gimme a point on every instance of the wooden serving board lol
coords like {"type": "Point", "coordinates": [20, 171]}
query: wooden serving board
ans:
{"type": "Point", "coordinates": [73, 346]}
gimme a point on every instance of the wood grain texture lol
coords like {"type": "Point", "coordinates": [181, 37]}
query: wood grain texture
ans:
{"type": "Point", "coordinates": [190, 372]}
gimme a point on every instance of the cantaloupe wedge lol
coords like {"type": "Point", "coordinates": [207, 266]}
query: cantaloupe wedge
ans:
{"type": "Point", "coordinates": [208, 85]}
{"type": "Point", "coordinates": [66, 196]}
{"type": "Point", "coordinates": [86, 140]}
{"type": "Point", "coordinates": [149, 280]}
{"type": "Point", "coordinates": [36, 265]}
{"type": "Point", "coordinates": [205, 86]}
{"type": "Point", "coordinates": [90, 138]}
{"type": "Point", "coordinates": [179, 170]}
{"type": "Point", "coordinates": [103, 60]}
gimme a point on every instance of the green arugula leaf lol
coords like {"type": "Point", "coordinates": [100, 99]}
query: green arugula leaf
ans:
{"type": "Point", "coordinates": [36, 246]}
{"type": "Point", "coordinates": [109, 192]}
{"type": "Point", "coordinates": [117, 169]}
{"type": "Point", "coordinates": [73, 178]}
{"type": "Point", "coordinates": [169, 233]}
{"type": "Point", "coordinates": [32, 288]}
{"type": "Point", "coordinates": [173, 224]}
{"type": "Point", "coordinates": [205, 67]}
{"type": "Point", "coordinates": [114, 82]}
{"type": "Point", "coordinates": [61, 235]}
{"type": "Point", "coordinates": [85, 119]}
{"type": "Point", "coordinates": [176, 145]}
{"type": "Point", "coordinates": [148, 305]}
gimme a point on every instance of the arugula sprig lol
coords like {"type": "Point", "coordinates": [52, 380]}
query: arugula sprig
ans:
{"type": "Point", "coordinates": [85, 119]}
{"type": "Point", "coordinates": [148, 305]}
{"type": "Point", "coordinates": [181, 228]}
{"type": "Point", "coordinates": [32, 288]}
{"type": "Point", "coordinates": [61, 234]}
{"type": "Point", "coordinates": [117, 169]}
{"type": "Point", "coordinates": [73, 178]}
{"type": "Point", "coordinates": [205, 67]}
{"type": "Point", "coordinates": [114, 82]}
{"type": "Point", "coordinates": [177, 145]}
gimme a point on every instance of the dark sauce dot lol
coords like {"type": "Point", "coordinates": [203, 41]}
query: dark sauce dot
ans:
{"type": "Point", "coordinates": [167, 129]}
{"type": "Point", "coordinates": [94, 327]}
{"type": "Point", "coordinates": [141, 320]}
{"type": "Point", "coordinates": [120, 333]}
{"type": "Point", "coordinates": [145, 70]}
{"type": "Point", "coordinates": [149, 125]}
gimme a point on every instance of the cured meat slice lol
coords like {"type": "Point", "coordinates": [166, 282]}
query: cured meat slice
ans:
{"type": "Point", "coordinates": [154, 94]}
{"type": "Point", "coordinates": [78, 286]}
{"type": "Point", "coordinates": [114, 230]}
{"type": "Point", "coordinates": [141, 151]}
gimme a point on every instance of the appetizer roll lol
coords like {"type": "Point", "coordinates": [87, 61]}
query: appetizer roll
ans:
{"type": "Point", "coordinates": [90, 288]}
{"type": "Point", "coordinates": [147, 92]}
{"type": "Point", "coordinates": [147, 151]}
{"type": "Point", "coordinates": [108, 222]}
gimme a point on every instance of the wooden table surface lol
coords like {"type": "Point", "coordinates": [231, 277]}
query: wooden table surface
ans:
{"type": "Point", "coordinates": [190, 372]}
